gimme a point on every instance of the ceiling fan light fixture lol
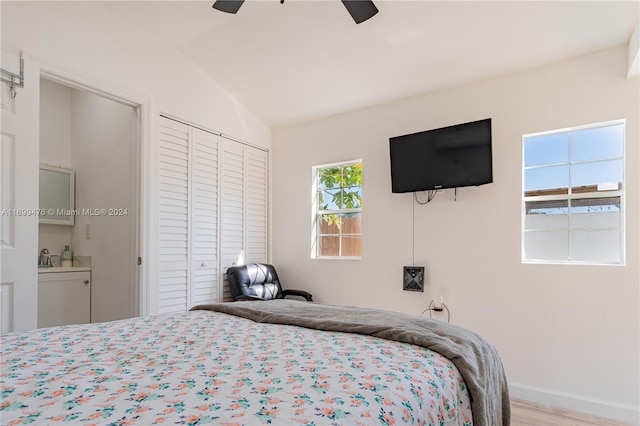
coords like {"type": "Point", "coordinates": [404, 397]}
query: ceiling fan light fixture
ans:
{"type": "Point", "coordinates": [229, 6]}
{"type": "Point", "coordinates": [360, 10]}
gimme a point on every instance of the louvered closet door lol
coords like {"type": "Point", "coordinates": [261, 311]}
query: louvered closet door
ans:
{"type": "Point", "coordinates": [232, 205]}
{"type": "Point", "coordinates": [204, 218]}
{"type": "Point", "coordinates": [174, 216]}
{"type": "Point", "coordinates": [243, 205]}
{"type": "Point", "coordinates": [213, 206]}
{"type": "Point", "coordinates": [256, 205]}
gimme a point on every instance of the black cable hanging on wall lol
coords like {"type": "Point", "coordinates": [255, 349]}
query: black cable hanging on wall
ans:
{"type": "Point", "coordinates": [430, 196]}
{"type": "Point", "coordinates": [432, 305]}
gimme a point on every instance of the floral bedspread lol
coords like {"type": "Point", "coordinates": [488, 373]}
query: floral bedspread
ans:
{"type": "Point", "coordinates": [203, 367]}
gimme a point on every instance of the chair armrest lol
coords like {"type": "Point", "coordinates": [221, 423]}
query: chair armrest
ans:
{"type": "Point", "coordinates": [246, 297]}
{"type": "Point", "coordinates": [300, 293]}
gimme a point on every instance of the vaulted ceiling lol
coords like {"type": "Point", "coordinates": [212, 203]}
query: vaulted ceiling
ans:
{"type": "Point", "coordinates": [302, 60]}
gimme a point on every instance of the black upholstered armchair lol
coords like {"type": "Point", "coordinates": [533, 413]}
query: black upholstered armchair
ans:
{"type": "Point", "coordinates": [258, 281]}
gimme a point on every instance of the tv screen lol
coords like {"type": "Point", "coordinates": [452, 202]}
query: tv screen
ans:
{"type": "Point", "coordinates": [449, 157]}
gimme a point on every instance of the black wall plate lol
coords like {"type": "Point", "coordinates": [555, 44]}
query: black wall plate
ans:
{"type": "Point", "coordinates": [413, 278]}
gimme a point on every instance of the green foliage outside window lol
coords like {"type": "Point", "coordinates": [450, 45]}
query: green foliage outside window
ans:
{"type": "Point", "coordinates": [339, 188]}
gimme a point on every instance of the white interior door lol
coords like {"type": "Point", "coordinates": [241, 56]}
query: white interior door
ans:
{"type": "Point", "coordinates": [204, 218]}
{"type": "Point", "coordinates": [244, 206]}
{"type": "Point", "coordinates": [19, 153]}
{"type": "Point", "coordinates": [188, 217]}
{"type": "Point", "coordinates": [256, 205]}
{"type": "Point", "coordinates": [232, 207]}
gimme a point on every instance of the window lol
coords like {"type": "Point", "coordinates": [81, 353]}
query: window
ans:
{"type": "Point", "coordinates": [337, 211]}
{"type": "Point", "coordinates": [573, 195]}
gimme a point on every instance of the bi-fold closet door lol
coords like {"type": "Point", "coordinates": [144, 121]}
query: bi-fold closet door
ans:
{"type": "Point", "coordinates": [213, 207]}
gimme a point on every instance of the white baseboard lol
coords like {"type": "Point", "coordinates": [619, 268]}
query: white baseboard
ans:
{"type": "Point", "coordinates": [596, 407]}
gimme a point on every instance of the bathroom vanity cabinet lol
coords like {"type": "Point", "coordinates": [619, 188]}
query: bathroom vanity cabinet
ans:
{"type": "Point", "coordinates": [64, 296]}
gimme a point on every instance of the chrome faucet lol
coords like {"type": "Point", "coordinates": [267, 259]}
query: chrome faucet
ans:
{"type": "Point", "coordinates": [45, 259]}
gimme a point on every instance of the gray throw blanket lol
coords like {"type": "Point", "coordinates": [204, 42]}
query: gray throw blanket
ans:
{"type": "Point", "coordinates": [477, 361]}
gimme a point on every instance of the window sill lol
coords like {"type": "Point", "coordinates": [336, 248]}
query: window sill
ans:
{"type": "Point", "coordinates": [567, 262]}
{"type": "Point", "coordinates": [337, 258]}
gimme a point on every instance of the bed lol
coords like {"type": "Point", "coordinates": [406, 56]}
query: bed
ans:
{"type": "Point", "coordinates": [277, 362]}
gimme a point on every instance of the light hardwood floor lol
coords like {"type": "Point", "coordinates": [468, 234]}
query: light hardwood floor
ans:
{"type": "Point", "coordinates": [529, 414]}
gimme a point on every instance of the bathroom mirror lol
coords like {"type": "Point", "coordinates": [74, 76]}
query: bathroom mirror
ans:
{"type": "Point", "coordinates": [57, 195]}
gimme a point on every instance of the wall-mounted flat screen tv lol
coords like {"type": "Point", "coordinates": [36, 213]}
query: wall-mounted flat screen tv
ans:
{"type": "Point", "coordinates": [449, 157]}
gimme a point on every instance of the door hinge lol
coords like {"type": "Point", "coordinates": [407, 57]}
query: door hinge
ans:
{"type": "Point", "coordinates": [139, 260]}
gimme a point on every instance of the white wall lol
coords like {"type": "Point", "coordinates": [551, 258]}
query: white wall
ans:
{"type": "Point", "coordinates": [568, 335]}
{"type": "Point", "coordinates": [104, 138]}
{"type": "Point", "coordinates": [55, 124]}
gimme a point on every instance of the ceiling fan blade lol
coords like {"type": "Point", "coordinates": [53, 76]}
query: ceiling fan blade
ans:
{"type": "Point", "coordinates": [360, 10]}
{"type": "Point", "coordinates": [229, 6]}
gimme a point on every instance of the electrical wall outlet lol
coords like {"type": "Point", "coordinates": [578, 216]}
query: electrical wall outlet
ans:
{"type": "Point", "coordinates": [438, 304]}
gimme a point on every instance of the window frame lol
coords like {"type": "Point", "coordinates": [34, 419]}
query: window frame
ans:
{"type": "Point", "coordinates": [570, 195]}
{"type": "Point", "coordinates": [316, 213]}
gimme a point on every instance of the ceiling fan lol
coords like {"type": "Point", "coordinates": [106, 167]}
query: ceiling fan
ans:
{"type": "Point", "coordinates": [360, 10]}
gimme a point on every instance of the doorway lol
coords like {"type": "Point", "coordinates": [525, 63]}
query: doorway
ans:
{"type": "Point", "coordinates": [97, 136]}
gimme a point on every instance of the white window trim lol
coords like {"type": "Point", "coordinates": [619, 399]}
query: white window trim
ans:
{"type": "Point", "coordinates": [572, 196]}
{"type": "Point", "coordinates": [315, 212]}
